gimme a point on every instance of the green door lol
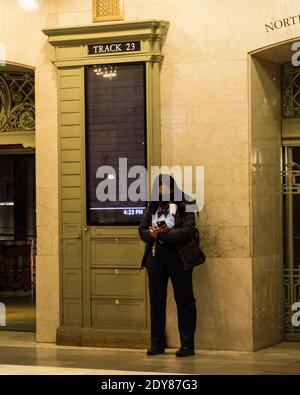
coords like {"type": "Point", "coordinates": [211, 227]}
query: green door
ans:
{"type": "Point", "coordinates": [103, 292]}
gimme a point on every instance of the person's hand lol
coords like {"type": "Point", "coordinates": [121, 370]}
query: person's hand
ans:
{"type": "Point", "coordinates": [163, 229]}
{"type": "Point", "coordinates": [153, 232]}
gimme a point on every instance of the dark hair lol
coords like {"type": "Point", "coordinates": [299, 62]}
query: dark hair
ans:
{"type": "Point", "coordinates": [176, 194]}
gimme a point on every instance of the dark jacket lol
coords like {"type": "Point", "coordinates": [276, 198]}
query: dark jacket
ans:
{"type": "Point", "coordinates": [184, 236]}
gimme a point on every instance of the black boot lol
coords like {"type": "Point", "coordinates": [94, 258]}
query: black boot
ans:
{"type": "Point", "coordinates": [185, 352]}
{"type": "Point", "coordinates": [155, 351]}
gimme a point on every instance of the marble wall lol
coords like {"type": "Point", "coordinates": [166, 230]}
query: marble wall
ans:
{"type": "Point", "coordinates": [266, 202]}
{"type": "Point", "coordinates": [206, 120]}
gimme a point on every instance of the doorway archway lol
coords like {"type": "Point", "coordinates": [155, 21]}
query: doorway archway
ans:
{"type": "Point", "coordinates": [17, 197]}
{"type": "Point", "coordinates": [275, 275]}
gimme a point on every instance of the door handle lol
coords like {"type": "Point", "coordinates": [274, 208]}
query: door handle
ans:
{"type": "Point", "coordinates": [85, 228]}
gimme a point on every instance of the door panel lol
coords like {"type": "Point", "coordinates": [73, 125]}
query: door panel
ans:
{"type": "Point", "coordinates": [118, 313]}
{"type": "Point", "coordinates": [68, 193]}
{"type": "Point", "coordinates": [118, 282]}
{"type": "Point", "coordinates": [102, 284]}
{"type": "Point", "coordinates": [116, 252]}
{"type": "Point", "coordinates": [72, 283]}
{"type": "Point", "coordinates": [71, 194]}
{"type": "Point", "coordinates": [72, 312]}
{"type": "Point", "coordinates": [115, 115]}
{"type": "Point", "coordinates": [70, 156]}
{"type": "Point", "coordinates": [72, 253]}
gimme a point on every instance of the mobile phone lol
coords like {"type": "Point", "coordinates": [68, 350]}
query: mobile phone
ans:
{"type": "Point", "coordinates": [161, 223]}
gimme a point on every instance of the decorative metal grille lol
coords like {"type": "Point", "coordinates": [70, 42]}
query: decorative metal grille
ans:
{"type": "Point", "coordinates": [291, 91]}
{"type": "Point", "coordinates": [291, 196]}
{"type": "Point", "coordinates": [291, 182]}
{"type": "Point", "coordinates": [108, 10]}
{"type": "Point", "coordinates": [17, 104]}
{"type": "Point", "coordinates": [292, 295]}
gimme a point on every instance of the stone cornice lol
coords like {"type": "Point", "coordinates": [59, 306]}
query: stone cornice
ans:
{"type": "Point", "coordinates": [143, 30]}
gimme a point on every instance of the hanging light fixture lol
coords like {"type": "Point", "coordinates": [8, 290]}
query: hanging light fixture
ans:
{"type": "Point", "coordinates": [106, 71]}
{"type": "Point", "coordinates": [28, 5]}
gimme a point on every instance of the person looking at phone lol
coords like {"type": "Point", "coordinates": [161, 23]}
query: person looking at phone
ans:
{"type": "Point", "coordinates": [171, 252]}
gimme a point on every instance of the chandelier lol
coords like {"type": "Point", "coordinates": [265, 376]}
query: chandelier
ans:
{"type": "Point", "coordinates": [106, 71]}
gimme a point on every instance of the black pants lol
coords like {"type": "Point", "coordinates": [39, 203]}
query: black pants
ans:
{"type": "Point", "coordinates": [165, 264]}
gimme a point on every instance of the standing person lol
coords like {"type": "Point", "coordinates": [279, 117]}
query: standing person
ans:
{"type": "Point", "coordinates": [171, 251]}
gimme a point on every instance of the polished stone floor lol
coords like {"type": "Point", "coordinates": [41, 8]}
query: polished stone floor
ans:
{"type": "Point", "coordinates": [20, 313]}
{"type": "Point", "coordinates": [19, 354]}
